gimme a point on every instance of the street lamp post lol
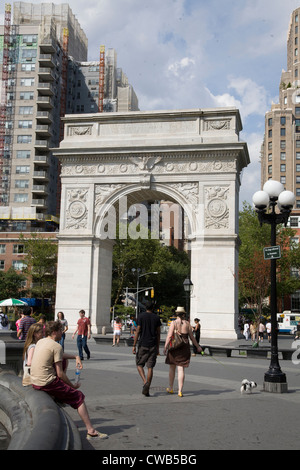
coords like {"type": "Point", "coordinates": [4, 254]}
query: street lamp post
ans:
{"type": "Point", "coordinates": [273, 195]}
{"type": "Point", "coordinates": [188, 287]}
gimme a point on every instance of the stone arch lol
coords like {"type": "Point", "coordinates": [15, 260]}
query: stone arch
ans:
{"type": "Point", "coordinates": [195, 158]}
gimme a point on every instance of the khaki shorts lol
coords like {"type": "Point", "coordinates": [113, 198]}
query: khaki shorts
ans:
{"type": "Point", "coordinates": [146, 356]}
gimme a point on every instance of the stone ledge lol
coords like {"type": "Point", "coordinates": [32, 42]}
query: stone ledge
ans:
{"type": "Point", "coordinates": [33, 420]}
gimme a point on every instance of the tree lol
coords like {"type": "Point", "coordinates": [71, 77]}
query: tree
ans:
{"type": "Point", "coordinates": [254, 271]}
{"type": "Point", "coordinates": [150, 256]}
{"type": "Point", "coordinates": [11, 284]}
{"type": "Point", "coordinates": [41, 262]}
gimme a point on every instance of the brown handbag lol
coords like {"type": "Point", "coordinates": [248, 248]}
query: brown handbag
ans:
{"type": "Point", "coordinates": [176, 340]}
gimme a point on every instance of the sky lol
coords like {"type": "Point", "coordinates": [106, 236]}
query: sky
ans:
{"type": "Point", "coordinates": [186, 54]}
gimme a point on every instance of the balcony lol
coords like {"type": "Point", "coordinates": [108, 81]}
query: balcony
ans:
{"type": "Point", "coordinates": [46, 73]}
{"type": "Point", "coordinates": [44, 116]}
{"type": "Point", "coordinates": [40, 189]}
{"type": "Point", "coordinates": [47, 45]}
{"type": "Point", "coordinates": [40, 175]}
{"type": "Point", "coordinates": [43, 129]}
{"type": "Point", "coordinates": [41, 203]}
{"type": "Point", "coordinates": [45, 88]}
{"type": "Point", "coordinates": [42, 144]}
{"type": "Point", "coordinates": [42, 160]}
{"type": "Point", "coordinates": [44, 102]}
{"type": "Point", "coordinates": [46, 60]}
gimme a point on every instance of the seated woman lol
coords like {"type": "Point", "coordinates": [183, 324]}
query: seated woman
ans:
{"type": "Point", "coordinates": [35, 333]}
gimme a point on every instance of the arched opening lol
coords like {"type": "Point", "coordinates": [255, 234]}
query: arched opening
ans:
{"type": "Point", "coordinates": [148, 223]}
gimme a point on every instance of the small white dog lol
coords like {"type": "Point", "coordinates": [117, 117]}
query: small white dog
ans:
{"type": "Point", "coordinates": [247, 386]}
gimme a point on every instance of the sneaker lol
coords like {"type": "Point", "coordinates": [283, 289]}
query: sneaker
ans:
{"type": "Point", "coordinates": [170, 390]}
{"type": "Point", "coordinates": [97, 435]}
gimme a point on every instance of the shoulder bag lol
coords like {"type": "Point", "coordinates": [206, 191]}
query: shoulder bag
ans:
{"type": "Point", "coordinates": [176, 340]}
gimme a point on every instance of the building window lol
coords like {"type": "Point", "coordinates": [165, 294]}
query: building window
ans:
{"type": "Point", "coordinates": [26, 110]}
{"type": "Point", "coordinates": [270, 133]}
{"type": "Point", "coordinates": [282, 156]}
{"type": "Point", "coordinates": [21, 184]}
{"type": "Point", "coordinates": [270, 121]}
{"type": "Point", "coordinates": [24, 139]}
{"type": "Point", "coordinates": [2, 248]}
{"type": "Point", "coordinates": [2, 265]}
{"type": "Point", "coordinates": [25, 125]}
{"type": "Point", "coordinates": [20, 197]}
{"type": "Point", "coordinates": [23, 154]}
{"type": "Point", "coordinates": [22, 169]}
{"type": "Point", "coordinates": [270, 157]}
{"type": "Point", "coordinates": [26, 95]}
{"type": "Point", "coordinates": [297, 191]}
{"type": "Point", "coordinates": [282, 132]}
{"type": "Point", "coordinates": [27, 82]}
{"type": "Point", "coordinates": [270, 145]}
{"type": "Point", "coordinates": [283, 120]}
{"type": "Point", "coordinates": [18, 265]}
{"type": "Point", "coordinates": [18, 249]}
{"type": "Point", "coordinates": [298, 167]}
{"type": "Point", "coordinates": [282, 144]}
{"type": "Point", "coordinates": [294, 222]}
{"type": "Point", "coordinates": [270, 169]}
{"type": "Point", "coordinates": [282, 179]}
{"type": "Point", "coordinates": [282, 167]}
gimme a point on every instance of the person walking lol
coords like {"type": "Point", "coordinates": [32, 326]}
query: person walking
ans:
{"type": "Point", "coordinates": [147, 335]}
{"type": "Point", "coordinates": [25, 323]}
{"type": "Point", "coordinates": [117, 331]}
{"type": "Point", "coordinates": [261, 330]}
{"type": "Point", "coordinates": [196, 331]}
{"type": "Point", "coordinates": [4, 323]}
{"type": "Point", "coordinates": [180, 357]}
{"type": "Point", "coordinates": [84, 333]}
{"type": "Point", "coordinates": [246, 330]}
{"type": "Point", "coordinates": [269, 329]}
{"type": "Point", "coordinates": [47, 375]}
{"type": "Point", "coordinates": [63, 321]}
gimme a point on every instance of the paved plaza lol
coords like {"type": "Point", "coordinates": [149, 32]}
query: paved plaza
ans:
{"type": "Point", "coordinates": [212, 415]}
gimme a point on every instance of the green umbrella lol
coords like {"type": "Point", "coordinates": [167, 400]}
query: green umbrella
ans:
{"type": "Point", "coordinates": [12, 303]}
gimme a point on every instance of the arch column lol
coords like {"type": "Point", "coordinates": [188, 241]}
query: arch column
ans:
{"type": "Point", "coordinates": [84, 277]}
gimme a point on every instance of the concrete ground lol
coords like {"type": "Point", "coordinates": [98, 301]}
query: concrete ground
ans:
{"type": "Point", "coordinates": [212, 415]}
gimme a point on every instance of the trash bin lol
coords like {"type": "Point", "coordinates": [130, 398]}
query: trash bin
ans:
{"type": "Point", "coordinates": [104, 330]}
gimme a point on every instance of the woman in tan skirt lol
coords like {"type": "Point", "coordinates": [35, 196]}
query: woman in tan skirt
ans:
{"type": "Point", "coordinates": [179, 357]}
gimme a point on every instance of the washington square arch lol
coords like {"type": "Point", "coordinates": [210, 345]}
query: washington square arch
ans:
{"type": "Point", "coordinates": [192, 158]}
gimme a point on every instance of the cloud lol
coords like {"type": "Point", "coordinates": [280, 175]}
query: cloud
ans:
{"type": "Point", "coordinates": [249, 97]}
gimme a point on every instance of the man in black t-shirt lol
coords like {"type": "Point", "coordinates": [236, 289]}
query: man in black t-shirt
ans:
{"type": "Point", "coordinates": [148, 334]}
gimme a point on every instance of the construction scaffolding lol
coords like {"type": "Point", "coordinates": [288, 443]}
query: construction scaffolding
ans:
{"type": "Point", "coordinates": [101, 78]}
{"type": "Point", "coordinates": [3, 100]}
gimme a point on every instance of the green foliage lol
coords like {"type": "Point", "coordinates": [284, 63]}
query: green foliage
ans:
{"type": "Point", "coordinates": [254, 271]}
{"type": "Point", "coordinates": [41, 262]}
{"type": "Point", "coordinates": [11, 284]}
{"type": "Point", "coordinates": [150, 256]}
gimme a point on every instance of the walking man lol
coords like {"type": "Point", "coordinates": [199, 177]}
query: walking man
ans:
{"type": "Point", "coordinates": [84, 333]}
{"type": "Point", "coordinates": [147, 335]}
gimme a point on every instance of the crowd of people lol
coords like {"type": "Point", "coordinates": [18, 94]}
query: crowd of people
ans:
{"type": "Point", "coordinates": [45, 363]}
{"type": "Point", "coordinates": [256, 331]}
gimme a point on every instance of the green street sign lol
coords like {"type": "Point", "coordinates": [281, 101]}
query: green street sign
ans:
{"type": "Point", "coordinates": [273, 252]}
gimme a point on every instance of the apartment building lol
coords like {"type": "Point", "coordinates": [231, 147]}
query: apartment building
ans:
{"type": "Point", "coordinates": [280, 154]}
{"type": "Point", "coordinates": [45, 75]}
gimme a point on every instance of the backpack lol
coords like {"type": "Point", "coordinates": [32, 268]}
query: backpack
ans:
{"type": "Point", "coordinates": [4, 320]}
